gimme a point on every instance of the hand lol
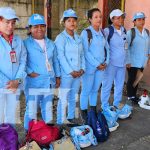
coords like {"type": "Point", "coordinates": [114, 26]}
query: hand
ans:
{"type": "Point", "coordinates": [57, 82]}
{"type": "Point", "coordinates": [128, 66]}
{"type": "Point", "coordinates": [75, 74]}
{"type": "Point", "coordinates": [101, 67]}
{"type": "Point", "coordinates": [81, 72]}
{"type": "Point", "coordinates": [12, 85]}
{"type": "Point", "coordinates": [104, 65]}
{"type": "Point", "coordinates": [33, 75]}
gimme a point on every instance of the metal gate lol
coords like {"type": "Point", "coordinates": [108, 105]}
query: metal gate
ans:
{"type": "Point", "coordinates": [109, 6]}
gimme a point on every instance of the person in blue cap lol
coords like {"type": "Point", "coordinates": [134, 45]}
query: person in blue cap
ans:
{"type": "Point", "coordinates": [42, 68]}
{"type": "Point", "coordinates": [138, 54]}
{"type": "Point", "coordinates": [72, 65]}
{"type": "Point", "coordinates": [97, 58]}
{"type": "Point", "coordinates": [12, 66]}
{"type": "Point", "coordinates": [115, 72]}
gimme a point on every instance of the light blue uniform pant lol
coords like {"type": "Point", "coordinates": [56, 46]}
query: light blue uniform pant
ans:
{"type": "Point", "coordinates": [90, 86]}
{"type": "Point", "coordinates": [36, 96]}
{"type": "Point", "coordinates": [67, 95]}
{"type": "Point", "coordinates": [116, 75]}
{"type": "Point", "coordinates": [33, 102]}
{"type": "Point", "coordinates": [9, 108]}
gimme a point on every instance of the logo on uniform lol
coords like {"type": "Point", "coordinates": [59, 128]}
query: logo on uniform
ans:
{"type": "Point", "coordinates": [38, 17]}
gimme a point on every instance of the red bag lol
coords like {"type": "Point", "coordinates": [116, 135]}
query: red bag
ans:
{"type": "Point", "coordinates": [42, 133]}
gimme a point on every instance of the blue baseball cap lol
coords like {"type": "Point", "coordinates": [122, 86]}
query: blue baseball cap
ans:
{"type": "Point", "coordinates": [69, 13]}
{"type": "Point", "coordinates": [138, 15]}
{"type": "Point", "coordinates": [8, 13]}
{"type": "Point", "coordinates": [36, 19]}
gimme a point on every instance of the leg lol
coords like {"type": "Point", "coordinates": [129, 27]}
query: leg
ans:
{"type": "Point", "coordinates": [2, 107]}
{"type": "Point", "coordinates": [131, 91]}
{"type": "Point", "coordinates": [109, 75]}
{"type": "Point", "coordinates": [119, 83]}
{"type": "Point", "coordinates": [12, 111]}
{"type": "Point", "coordinates": [98, 78]}
{"type": "Point", "coordinates": [31, 109]}
{"type": "Point", "coordinates": [46, 108]}
{"type": "Point", "coordinates": [63, 94]}
{"type": "Point", "coordinates": [72, 98]}
{"type": "Point", "coordinates": [87, 84]}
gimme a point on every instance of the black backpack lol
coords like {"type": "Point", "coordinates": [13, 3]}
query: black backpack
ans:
{"type": "Point", "coordinates": [133, 33]}
{"type": "Point", "coordinates": [90, 37]}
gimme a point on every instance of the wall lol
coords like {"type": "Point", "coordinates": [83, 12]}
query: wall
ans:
{"type": "Point", "coordinates": [132, 6]}
{"type": "Point", "coordinates": [80, 6]}
{"type": "Point", "coordinates": [23, 10]}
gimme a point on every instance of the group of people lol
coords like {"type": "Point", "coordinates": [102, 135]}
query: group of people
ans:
{"type": "Point", "coordinates": [96, 58]}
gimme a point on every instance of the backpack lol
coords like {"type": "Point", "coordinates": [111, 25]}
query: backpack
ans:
{"type": "Point", "coordinates": [42, 133]}
{"type": "Point", "coordinates": [83, 136]}
{"type": "Point", "coordinates": [90, 37]}
{"type": "Point", "coordinates": [133, 33]}
{"type": "Point", "coordinates": [111, 32]}
{"type": "Point", "coordinates": [8, 137]}
{"type": "Point", "coordinates": [99, 125]}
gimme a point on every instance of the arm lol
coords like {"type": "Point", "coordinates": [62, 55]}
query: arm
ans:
{"type": "Point", "coordinates": [22, 63]}
{"type": "Point", "coordinates": [60, 48]}
{"type": "Point", "coordinates": [128, 60]}
{"type": "Point", "coordinates": [107, 52]}
{"type": "Point", "coordinates": [12, 85]}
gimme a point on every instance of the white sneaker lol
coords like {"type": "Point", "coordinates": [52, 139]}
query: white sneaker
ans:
{"type": "Point", "coordinates": [114, 127]}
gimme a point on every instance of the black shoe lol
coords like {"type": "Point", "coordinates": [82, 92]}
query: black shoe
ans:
{"type": "Point", "coordinates": [72, 122]}
{"type": "Point", "coordinates": [84, 116]}
{"type": "Point", "coordinates": [135, 100]}
{"type": "Point", "coordinates": [93, 108]}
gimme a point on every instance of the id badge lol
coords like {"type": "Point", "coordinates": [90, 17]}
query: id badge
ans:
{"type": "Point", "coordinates": [126, 45]}
{"type": "Point", "coordinates": [13, 56]}
{"type": "Point", "coordinates": [48, 66]}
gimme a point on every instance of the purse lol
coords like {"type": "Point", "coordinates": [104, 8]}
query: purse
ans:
{"type": "Point", "coordinates": [30, 146]}
{"type": "Point", "coordinates": [64, 143]}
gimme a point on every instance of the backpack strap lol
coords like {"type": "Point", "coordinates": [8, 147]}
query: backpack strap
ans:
{"type": "Point", "coordinates": [132, 35]}
{"type": "Point", "coordinates": [90, 36]}
{"type": "Point", "coordinates": [125, 31]}
{"type": "Point", "coordinates": [111, 32]}
{"type": "Point", "coordinates": [104, 47]}
{"type": "Point", "coordinates": [147, 31]}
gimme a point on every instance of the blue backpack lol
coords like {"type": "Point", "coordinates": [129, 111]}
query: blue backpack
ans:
{"type": "Point", "coordinates": [111, 32]}
{"type": "Point", "coordinates": [99, 125]}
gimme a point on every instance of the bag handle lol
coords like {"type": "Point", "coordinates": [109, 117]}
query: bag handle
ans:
{"type": "Point", "coordinates": [28, 134]}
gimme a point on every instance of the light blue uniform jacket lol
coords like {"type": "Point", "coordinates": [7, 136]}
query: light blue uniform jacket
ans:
{"type": "Point", "coordinates": [138, 52]}
{"type": "Point", "coordinates": [36, 62]}
{"type": "Point", "coordinates": [118, 54]}
{"type": "Point", "coordinates": [9, 70]}
{"type": "Point", "coordinates": [94, 51]}
{"type": "Point", "coordinates": [70, 53]}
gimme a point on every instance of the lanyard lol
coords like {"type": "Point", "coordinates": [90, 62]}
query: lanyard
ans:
{"type": "Point", "coordinates": [48, 66]}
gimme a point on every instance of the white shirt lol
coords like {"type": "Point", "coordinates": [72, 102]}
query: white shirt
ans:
{"type": "Point", "coordinates": [41, 43]}
{"type": "Point", "coordinates": [119, 31]}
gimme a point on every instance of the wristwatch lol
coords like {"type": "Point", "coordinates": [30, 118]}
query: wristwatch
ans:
{"type": "Point", "coordinates": [19, 80]}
